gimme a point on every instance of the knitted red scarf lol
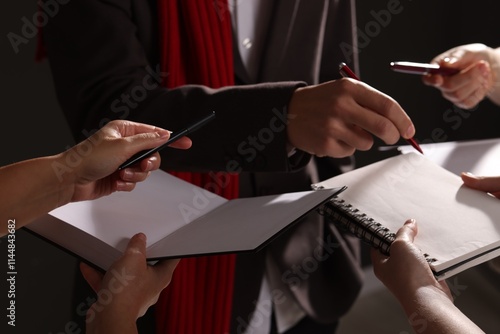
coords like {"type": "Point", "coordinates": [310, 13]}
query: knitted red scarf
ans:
{"type": "Point", "coordinates": [196, 48]}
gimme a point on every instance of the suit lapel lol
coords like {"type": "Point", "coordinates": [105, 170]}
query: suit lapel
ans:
{"type": "Point", "coordinates": [295, 40]}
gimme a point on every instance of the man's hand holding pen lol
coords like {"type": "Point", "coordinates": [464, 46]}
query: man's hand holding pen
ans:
{"type": "Point", "coordinates": [338, 117]}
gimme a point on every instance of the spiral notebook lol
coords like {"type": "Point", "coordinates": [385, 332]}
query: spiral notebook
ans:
{"type": "Point", "coordinates": [458, 227]}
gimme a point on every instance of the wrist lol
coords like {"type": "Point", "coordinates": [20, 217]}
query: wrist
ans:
{"type": "Point", "coordinates": [412, 298]}
{"type": "Point", "coordinates": [295, 106]}
{"type": "Point", "coordinates": [64, 166]}
{"type": "Point", "coordinates": [109, 319]}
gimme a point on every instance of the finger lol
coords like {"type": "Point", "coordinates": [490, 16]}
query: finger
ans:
{"type": "Point", "coordinates": [466, 82]}
{"type": "Point", "coordinates": [130, 128]}
{"type": "Point", "coordinates": [133, 176]}
{"type": "Point", "coordinates": [445, 60]}
{"type": "Point", "coordinates": [144, 141]}
{"type": "Point", "coordinates": [472, 100]}
{"type": "Point", "coordinates": [183, 143]}
{"type": "Point", "coordinates": [137, 245]}
{"type": "Point", "coordinates": [453, 84]}
{"type": "Point", "coordinates": [120, 185]}
{"type": "Point", "coordinates": [353, 137]}
{"type": "Point", "coordinates": [393, 116]}
{"type": "Point", "coordinates": [460, 58]}
{"type": "Point", "coordinates": [496, 194]}
{"type": "Point", "coordinates": [151, 163]}
{"type": "Point", "coordinates": [433, 80]}
{"type": "Point", "coordinates": [477, 91]}
{"type": "Point", "coordinates": [335, 148]}
{"type": "Point", "coordinates": [405, 233]}
{"type": "Point", "coordinates": [92, 276]}
{"type": "Point", "coordinates": [489, 184]}
{"type": "Point", "coordinates": [375, 124]}
{"type": "Point", "coordinates": [408, 231]}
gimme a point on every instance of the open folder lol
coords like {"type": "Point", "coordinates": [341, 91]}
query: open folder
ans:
{"type": "Point", "coordinates": [458, 227]}
{"type": "Point", "coordinates": [178, 218]}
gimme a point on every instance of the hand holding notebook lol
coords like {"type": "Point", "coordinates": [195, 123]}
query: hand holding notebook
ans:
{"type": "Point", "coordinates": [458, 227]}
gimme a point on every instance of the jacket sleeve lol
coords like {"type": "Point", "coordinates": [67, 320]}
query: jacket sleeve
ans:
{"type": "Point", "coordinates": [104, 61]}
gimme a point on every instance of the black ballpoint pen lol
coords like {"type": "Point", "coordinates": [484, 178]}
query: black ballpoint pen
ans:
{"type": "Point", "coordinates": [175, 136]}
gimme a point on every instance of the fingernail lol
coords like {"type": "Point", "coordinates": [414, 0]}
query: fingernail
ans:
{"type": "Point", "coordinates": [410, 132]}
{"type": "Point", "coordinates": [120, 185]}
{"type": "Point", "coordinates": [164, 134]}
{"type": "Point", "coordinates": [469, 174]}
{"type": "Point", "coordinates": [411, 221]}
{"type": "Point", "coordinates": [483, 68]}
{"type": "Point", "coordinates": [450, 60]}
{"type": "Point", "coordinates": [127, 174]}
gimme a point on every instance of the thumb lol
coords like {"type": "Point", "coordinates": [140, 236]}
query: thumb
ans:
{"type": "Point", "coordinates": [460, 59]}
{"type": "Point", "coordinates": [137, 245]}
{"type": "Point", "coordinates": [408, 231]}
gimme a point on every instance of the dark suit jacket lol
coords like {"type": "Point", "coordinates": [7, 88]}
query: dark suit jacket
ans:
{"type": "Point", "coordinates": [101, 50]}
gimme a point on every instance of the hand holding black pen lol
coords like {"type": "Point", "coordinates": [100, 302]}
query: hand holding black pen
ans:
{"type": "Point", "coordinates": [174, 137]}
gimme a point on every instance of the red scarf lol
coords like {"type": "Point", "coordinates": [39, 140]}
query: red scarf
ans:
{"type": "Point", "coordinates": [196, 48]}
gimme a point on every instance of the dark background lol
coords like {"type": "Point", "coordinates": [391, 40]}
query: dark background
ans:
{"type": "Point", "coordinates": [420, 32]}
{"type": "Point", "coordinates": [32, 124]}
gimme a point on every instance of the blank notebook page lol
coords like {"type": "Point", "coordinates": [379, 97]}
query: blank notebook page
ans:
{"type": "Point", "coordinates": [157, 207]}
{"type": "Point", "coordinates": [454, 222]}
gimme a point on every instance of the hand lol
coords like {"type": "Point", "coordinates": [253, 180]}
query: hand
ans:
{"type": "Point", "coordinates": [338, 117]}
{"type": "Point", "coordinates": [489, 184]}
{"type": "Point", "coordinates": [99, 156]}
{"type": "Point", "coordinates": [406, 270]}
{"type": "Point", "coordinates": [127, 290]}
{"type": "Point", "coordinates": [478, 65]}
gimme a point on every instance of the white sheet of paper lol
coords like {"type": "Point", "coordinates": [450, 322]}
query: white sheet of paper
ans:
{"type": "Point", "coordinates": [480, 157]}
{"type": "Point", "coordinates": [157, 207]}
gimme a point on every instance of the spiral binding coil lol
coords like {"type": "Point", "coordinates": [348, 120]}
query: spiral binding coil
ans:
{"type": "Point", "coordinates": [350, 219]}
{"type": "Point", "coordinates": [359, 224]}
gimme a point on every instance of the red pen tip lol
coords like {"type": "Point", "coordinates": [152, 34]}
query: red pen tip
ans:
{"type": "Point", "coordinates": [415, 145]}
